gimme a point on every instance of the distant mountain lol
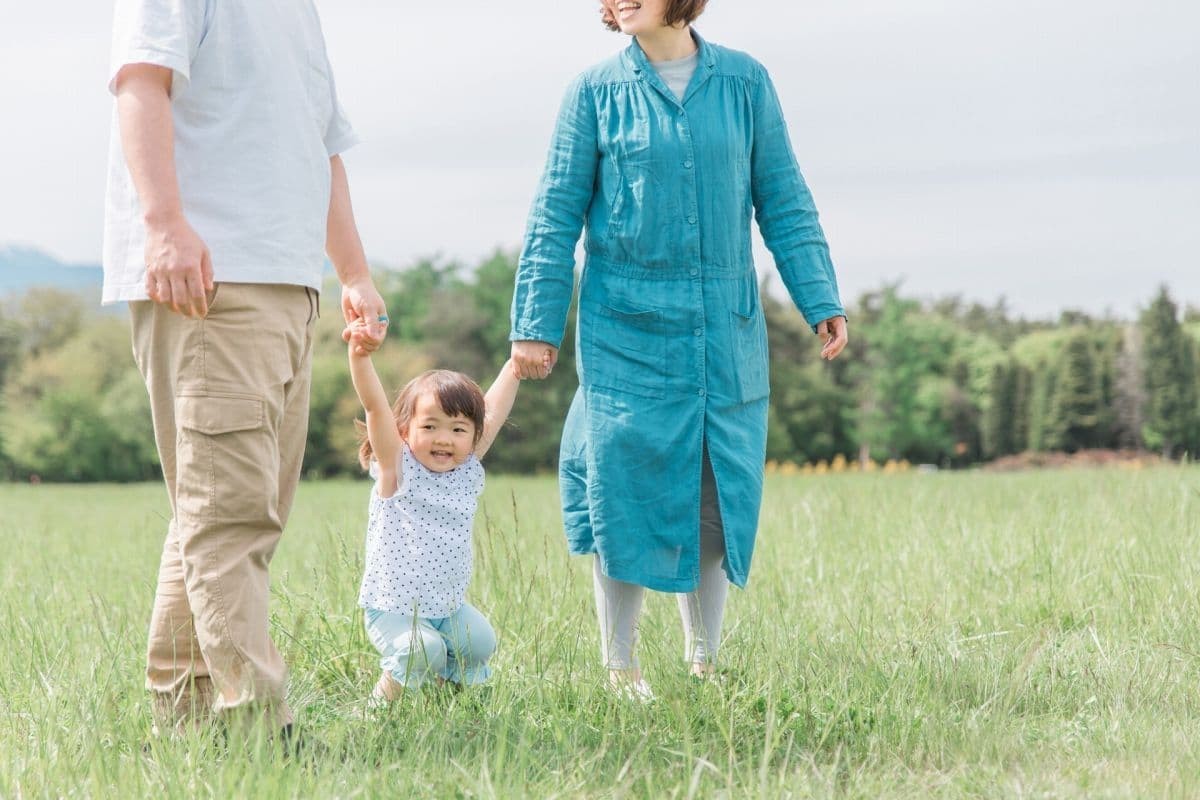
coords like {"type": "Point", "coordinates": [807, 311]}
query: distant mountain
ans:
{"type": "Point", "coordinates": [23, 268]}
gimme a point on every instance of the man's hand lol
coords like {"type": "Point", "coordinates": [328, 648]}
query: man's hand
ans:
{"type": "Point", "coordinates": [178, 267]}
{"type": "Point", "coordinates": [833, 337]}
{"type": "Point", "coordinates": [533, 360]}
{"type": "Point", "coordinates": [361, 303]}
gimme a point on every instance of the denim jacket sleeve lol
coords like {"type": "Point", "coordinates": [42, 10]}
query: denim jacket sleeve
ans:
{"type": "Point", "coordinates": [786, 213]}
{"type": "Point", "coordinates": [546, 270]}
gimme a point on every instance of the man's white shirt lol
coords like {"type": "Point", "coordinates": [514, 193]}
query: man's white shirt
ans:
{"type": "Point", "coordinates": [256, 120]}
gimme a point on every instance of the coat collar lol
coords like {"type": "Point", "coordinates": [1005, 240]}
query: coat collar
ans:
{"type": "Point", "coordinates": [643, 70]}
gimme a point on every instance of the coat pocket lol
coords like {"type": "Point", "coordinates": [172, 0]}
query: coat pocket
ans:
{"type": "Point", "coordinates": [624, 349]}
{"type": "Point", "coordinates": [628, 221]}
{"type": "Point", "coordinates": [749, 336]}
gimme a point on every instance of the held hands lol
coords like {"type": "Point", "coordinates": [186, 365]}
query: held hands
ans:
{"type": "Point", "coordinates": [365, 315]}
{"type": "Point", "coordinates": [833, 337]}
{"type": "Point", "coordinates": [533, 360]}
{"type": "Point", "coordinates": [179, 268]}
{"type": "Point", "coordinates": [365, 337]}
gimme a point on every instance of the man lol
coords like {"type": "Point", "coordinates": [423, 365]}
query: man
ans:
{"type": "Point", "coordinates": [225, 187]}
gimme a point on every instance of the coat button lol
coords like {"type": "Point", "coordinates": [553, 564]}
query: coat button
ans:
{"type": "Point", "coordinates": [698, 331]}
{"type": "Point", "coordinates": [691, 219]}
{"type": "Point", "coordinates": [700, 393]}
{"type": "Point", "coordinates": [687, 164]}
{"type": "Point", "coordinates": [693, 272]}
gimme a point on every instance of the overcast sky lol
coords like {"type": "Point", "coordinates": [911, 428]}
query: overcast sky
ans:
{"type": "Point", "coordinates": [1048, 152]}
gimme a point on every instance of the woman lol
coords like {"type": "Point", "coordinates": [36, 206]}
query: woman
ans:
{"type": "Point", "coordinates": [662, 153]}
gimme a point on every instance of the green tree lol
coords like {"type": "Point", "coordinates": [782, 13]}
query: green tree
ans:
{"type": "Point", "coordinates": [903, 379]}
{"type": "Point", "coordinates": [48, 318]}
{"type": "Point", "coordinates": [10, 350]}
{"type": "Point", "coordinates": [1000, 428]}
{"type": "Point", "coordinates": [1129, 391]}
{"type": "Point", "coordinates": [806, 423]}
{"type": "Point", "coordinates": [1021, 410]}
{"type": "Point", "coordinates": [1075, 406]}
{"type": "Point", "coordinates": [83, 413]}
{"type": "Point", "coordinates": [1170, 378]}
{"type": "Point", "coordinates": [809, 419]}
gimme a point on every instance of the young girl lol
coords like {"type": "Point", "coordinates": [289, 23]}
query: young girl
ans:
{"type": "Point", "coordinates": [424, 453]}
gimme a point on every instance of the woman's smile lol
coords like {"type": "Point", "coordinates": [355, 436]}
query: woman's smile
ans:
{"type": "Point", "coordinates": [627, 8]}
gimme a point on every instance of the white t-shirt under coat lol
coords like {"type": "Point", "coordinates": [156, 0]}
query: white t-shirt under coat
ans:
{"type": "Point", "coordinates": [677, 74]}
{"type": "Point", "coordinates": [256, 120]}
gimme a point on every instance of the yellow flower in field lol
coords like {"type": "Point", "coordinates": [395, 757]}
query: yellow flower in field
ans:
{"type": "Point", "coordinates": [806, 469]}
{"type": "Point", "coordinates": [839, 463]}
{"type": "Point", "coordinates": [869, 466]}
{"type": "Point", "coordinates": [891, 467]}
{"type": "Point", "coordinates": [821, 467]}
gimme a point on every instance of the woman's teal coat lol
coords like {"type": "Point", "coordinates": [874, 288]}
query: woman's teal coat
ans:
{"type": "Point", "coordinates": [672, 345]}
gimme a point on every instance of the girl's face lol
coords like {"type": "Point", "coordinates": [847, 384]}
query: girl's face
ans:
{"type": "Point", "coordinates": [637, 16]}
{"type": "Point", "coordinates": [437, 440]}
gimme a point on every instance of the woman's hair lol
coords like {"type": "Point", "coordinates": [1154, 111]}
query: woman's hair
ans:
{"type": "Point", "coordinates": [458, 395]}
{"type": "Point", "coordinates": [677, 11]}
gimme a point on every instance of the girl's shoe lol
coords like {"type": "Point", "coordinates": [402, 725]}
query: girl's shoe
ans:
{"type": "Point", "coordinates": [633, 691]}
{"type": "Point", "coordinates": [715, 675]}
{"type": "Point", "coordinates": [377, 702]}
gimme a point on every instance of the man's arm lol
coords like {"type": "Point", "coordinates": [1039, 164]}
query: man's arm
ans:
{"type": "Point", "coordinates": [360, 299]}
{"type": "Point", "coordinates": [178, 266]}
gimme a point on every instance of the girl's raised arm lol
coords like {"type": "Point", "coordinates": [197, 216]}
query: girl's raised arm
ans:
{"type": "Point", "coordinates": [498, 402]}
{"type": "Point", "coordinates": [381, 422]}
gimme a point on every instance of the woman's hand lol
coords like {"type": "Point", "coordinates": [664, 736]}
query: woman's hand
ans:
{"type": "Point", "coordinates": [533, 360]}
{"type": "Point", "coordinates": [833, 337]}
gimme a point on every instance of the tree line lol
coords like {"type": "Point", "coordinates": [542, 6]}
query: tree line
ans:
{"type": "Point", "coordinates": [943, 382]}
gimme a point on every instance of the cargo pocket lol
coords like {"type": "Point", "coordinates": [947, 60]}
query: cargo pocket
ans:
{"type": "Point", "coordinates": [624, 349]}
{"type": "Point", "coordinates": [749, 336]}
{"type": "Point", "coordinates": [223, 458]}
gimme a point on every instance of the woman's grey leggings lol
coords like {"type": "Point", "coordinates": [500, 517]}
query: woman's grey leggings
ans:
{"type": "Point", "coordinates": [618, 604]}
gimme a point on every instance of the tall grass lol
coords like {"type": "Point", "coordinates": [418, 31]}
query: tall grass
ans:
{"type": "Point", "coordinates": [952, 635]}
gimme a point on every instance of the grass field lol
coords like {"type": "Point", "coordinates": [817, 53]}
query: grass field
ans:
{"type": "Point", "coordinates": [950, 635]}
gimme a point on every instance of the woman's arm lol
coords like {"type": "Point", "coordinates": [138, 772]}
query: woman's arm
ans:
{"type": "Point", "coordinates": [786, 213]}
{"type": "Point", "coordinates": [381, 423]}
{"type": "Point", "coordinates": [546, 271]}
{"type": "Point", "coordinates": [498, 402]}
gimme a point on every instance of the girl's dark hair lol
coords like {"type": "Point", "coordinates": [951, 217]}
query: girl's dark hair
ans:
{"type": "Point", "coordinates": [677, 11]}
{"type": "Point", "coordinates": [458, 395]}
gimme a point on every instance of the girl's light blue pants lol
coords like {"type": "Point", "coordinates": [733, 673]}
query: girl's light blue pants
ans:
{"type": "Point", "coordinates": [414, 650]}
